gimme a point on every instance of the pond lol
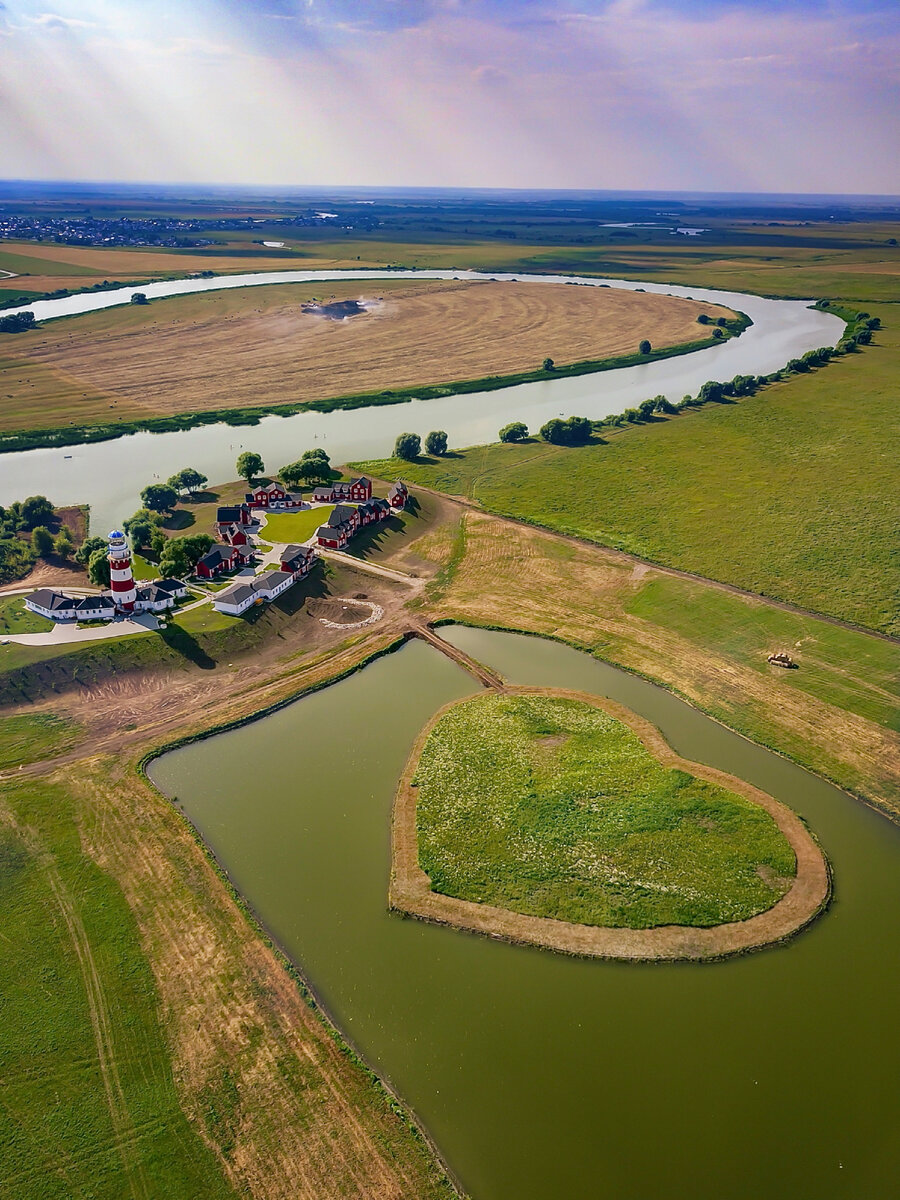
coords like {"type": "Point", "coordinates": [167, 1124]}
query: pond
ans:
{"type": "Point", "coordinates": [109, 475]}
{"type": "Point", "coordinates": [538, 1075]}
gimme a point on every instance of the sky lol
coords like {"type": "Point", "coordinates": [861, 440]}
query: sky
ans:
{"type": "Point", "coordinates": [696, 95]}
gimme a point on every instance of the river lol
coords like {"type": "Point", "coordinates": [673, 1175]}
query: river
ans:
{"type": "Point", "coordinates": [541, 1076]}
{"type": "Point", "coordinates": [109, 475]}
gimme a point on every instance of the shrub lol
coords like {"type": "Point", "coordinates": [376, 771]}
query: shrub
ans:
{"type": "Point", "coordinates": [42, 541]}
{"type": "Point", "coordinates": [139, 298]}
{"type": "Point", "coordinates": [515, 431]}
{"type": "Point", "coordinates": [248, 466]}
{"type": "Point", "coordinates": [644, 347]}
{"type": "Point", "coordinates": [703, 319]}
{"type": "Point", "coordinates": [548, 364]}
{"type": "Point", "coordinates": [36, 510]}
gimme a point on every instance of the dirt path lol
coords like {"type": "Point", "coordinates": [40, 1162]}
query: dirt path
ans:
{"type": "Point", "coordinates": [410, 887]}
{"type": "Point", "coordinates": [483, 674]}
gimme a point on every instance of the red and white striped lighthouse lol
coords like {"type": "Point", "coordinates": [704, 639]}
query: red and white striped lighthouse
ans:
{"type": "Point", "coordinates": [121, 581]}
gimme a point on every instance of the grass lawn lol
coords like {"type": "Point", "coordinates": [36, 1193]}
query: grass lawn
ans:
{"type": "Point", "coordinates": [204, 619]}
{"type": "Point", "coordinates": [88, 1106]}
{"type": "Point", "coordinates": [791, 493]}
{"type": "Point", "coordinates": [296, 526]}
{"type": "Point", "coordinates": [143, 568]}
{"type": "Point", "coordinates": [16, 618]}
{"type": "Point", "coordinates": [550, 807]}
{"type": "Point", "coordinates": [33, 737]}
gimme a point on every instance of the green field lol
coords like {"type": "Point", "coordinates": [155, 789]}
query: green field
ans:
{"type": "Point", "coordinates": [550, 807]}
{"type": "Point", "coordinates": [296, 527]}
{"type": "Point", "coordinates": [88, 1106]}
{"type": "Point", "coordinates": [791, 493]}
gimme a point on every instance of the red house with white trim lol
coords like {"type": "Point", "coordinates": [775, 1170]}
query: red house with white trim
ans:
{"type": "Point", "coordinates": [217, 561]}
{"type": "Point", "coordinates": [274, 495]}
{"type": "Point", "coordinates": [398, 495]}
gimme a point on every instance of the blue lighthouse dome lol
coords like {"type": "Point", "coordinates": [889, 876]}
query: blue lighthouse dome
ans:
{"type": "Point", "coordinates": [116, 535]}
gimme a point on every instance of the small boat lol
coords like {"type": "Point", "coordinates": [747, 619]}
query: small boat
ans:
{"type": "Point", "coordinates": [67, 456]}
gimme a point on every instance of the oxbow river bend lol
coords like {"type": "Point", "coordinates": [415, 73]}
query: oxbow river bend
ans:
{"type": "Point", "coordinates": [544, 1076]}
{"type": "Point", "coordinates": [109, 475]}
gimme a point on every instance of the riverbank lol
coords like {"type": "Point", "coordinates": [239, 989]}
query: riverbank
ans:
{"type": "Point", "coordinates": [807, 896]}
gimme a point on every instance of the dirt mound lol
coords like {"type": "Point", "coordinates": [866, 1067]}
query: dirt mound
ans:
{"type": "Point", "coordinates": [339, 612]}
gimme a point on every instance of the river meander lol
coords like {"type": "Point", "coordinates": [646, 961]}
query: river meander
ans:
{"type": "Point", "coordinates": [539, 1076]}
{"type": "Point", "coordinates": [109, 475]}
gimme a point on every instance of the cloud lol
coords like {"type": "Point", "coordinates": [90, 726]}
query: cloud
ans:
{"type": "Point", "coordinates": [55, 21]}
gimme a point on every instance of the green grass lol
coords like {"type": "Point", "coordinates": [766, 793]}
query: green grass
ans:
{"type": "Point", "coordinates": [16, 618]}
{"type": "Point", "coordinates": [550, 807]}
{"type": "Point", "coordinates": [34, 737]}
{"type": "Point", "coordinates": [791, 493]}
{"type": "Point", "coordinates": [205, 619]}
{"type": "Point", "coordinates": [59, 1140]}
{"type": "Point", "coordinates": [143, 568]}
{"type": "Point", "coordinates": [854, 671]}
{"type": "Point", "coordinates": [296, 526]}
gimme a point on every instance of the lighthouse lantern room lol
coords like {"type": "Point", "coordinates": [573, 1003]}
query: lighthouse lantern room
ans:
{"type": "Point", "coordinates": [121, 580]}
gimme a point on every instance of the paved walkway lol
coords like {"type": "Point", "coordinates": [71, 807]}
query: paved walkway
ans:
{"type": "Point", "coordinates": [67, 632]}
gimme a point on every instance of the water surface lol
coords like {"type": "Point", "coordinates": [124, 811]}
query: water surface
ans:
{"type": "Point", "coordinates": [772, 1076]}
{"type": "Point", "coordinates": [109, 475]}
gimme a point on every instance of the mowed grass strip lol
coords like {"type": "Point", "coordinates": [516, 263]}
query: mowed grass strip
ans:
{"type": "Point", "coordinates": [791, 493]}
{"type": "Point", "coordinates": [31, 737]}
{"type": "Point", "coordinates": [88, 1106]}
{"type": "Point", "coordinates": [550, 807]}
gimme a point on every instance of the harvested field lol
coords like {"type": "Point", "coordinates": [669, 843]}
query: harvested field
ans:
{"type": "Point", "coordinates": [257, 348]}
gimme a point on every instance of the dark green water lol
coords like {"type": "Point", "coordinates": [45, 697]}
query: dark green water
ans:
{"type": "Point", "coordinates": [769, 1077]}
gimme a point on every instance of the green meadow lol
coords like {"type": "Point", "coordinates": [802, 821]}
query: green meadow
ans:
{"type": "Point", "coordinates": [550, 807]}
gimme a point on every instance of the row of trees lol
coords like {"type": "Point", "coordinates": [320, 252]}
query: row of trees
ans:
{"type": "Point", "coordinates": [17, 323]}
{"type": "Point", "coordinates": [408, 446]}
{"type": "Point", "coordinates": [162, 497]}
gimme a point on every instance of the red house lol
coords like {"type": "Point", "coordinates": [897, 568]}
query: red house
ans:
{"type": "Point", "coordinates": [232, 535]}
{"type": "Point", "coordinates": [356, 490]}
{"type": "Point", "coordinates": [297, 560]}
{"type": "Point", "coordinates": [398, 495]}
{"type": "Point", "coordinates": [219, 560]}
{"type": "Point", "coordinates": [274, 495]}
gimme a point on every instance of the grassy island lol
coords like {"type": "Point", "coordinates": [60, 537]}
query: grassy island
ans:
{"type": "Point", "coordinates": [552, 807]}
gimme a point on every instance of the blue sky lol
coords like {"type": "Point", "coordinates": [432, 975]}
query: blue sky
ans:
{"type": "Point", "coordinates": [793, 95]}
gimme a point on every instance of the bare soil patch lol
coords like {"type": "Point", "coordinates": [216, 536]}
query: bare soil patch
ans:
{"type": "Point", "coordinates": [339, 611]}
{"type": "Point", "coordinates": [410, 888]}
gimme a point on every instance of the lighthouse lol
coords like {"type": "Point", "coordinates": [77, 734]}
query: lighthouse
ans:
{"type": "Point", "coordinates": [121, 581]}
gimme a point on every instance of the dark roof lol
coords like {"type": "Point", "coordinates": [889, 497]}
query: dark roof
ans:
{"type": "Point", "coordinates": [343, 513]}
{"type": "Point", "coordinates": [397, 487]}
{"type": "Point", "coordinates": [238, 592]}
{"type": "Point", "coordinates": [217, 555]}
{"type": "Point", "coordinates": [90, 602]}
{"type": "Point", "coordinates": [154, 593]}
{"type": "Point", "coordinates": [271, 579]}
{"type": "Point", "coordinates": [171, 585]}
{"type": "Point", "coordinates": [364, 480]}
{"type": "Point", "coordinates": [333, 531]}
{"type": "Point", "coordinates": [379, 503]}
{"type": "Point", "coordinates": [229, 513]}
{"type": "Point", "coordinates": [47, 598]}
{"type": "Point", "coordinates": [293, 554]}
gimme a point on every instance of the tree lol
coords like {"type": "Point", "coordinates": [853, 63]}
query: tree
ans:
{"type": "Point", "coordinates": [42, 541]}
{"type": "Point", "coordinates": [188, 480]}
{"type": "Point", "coordinates": [703, 319]}
{"type": "Point", "coordinates": [63, 544]}
{"type": "Point", "coordinates": [644, 347]}
{"type": "Point", "coordinates": [318, 454]}
{"type": "Point", "coordinates": [248, 466]}
{"type": "Point", "coordinates": [718, 333]}
{"type": "Point", "coordinates": [647, 408]}
{"type": "Point", "coordinates": [17, 322]}
{"type": "Point", "coordinates": [515, 431]}
{"type": "Point", "coordinates": [573, 432]}
{"type": "Point", "coordinates": [36, 510]}
{"type": "Point", "coordinates": [194, 546]}
{"type": "Point", "coordinates": [143, 516]}
{"type": "Point", "coordinates": [407, 446]}
{"type": "Point", "coordinates": [175, 560]}
{"type": "Point", "coordinates": [88, 547]}
{"type": "Point", "coordinates": [139, 298]}
{"type": "Point", "coordinates": [631, 415]}
{"type": "Point", "coordinates": [314, 466]}
{"type": "Point", "coordinates": [664, 405]}
{"type": "Point", "coordinates": [159, 497]}
{"type": "Point", "coordinates": [436, 443]}
{"type": "Point", "coordinates": [548, 364]}
{"type": "Point", "coordinates": [140, 533]}
{"type": "Point", "coordinates": [98, 568]}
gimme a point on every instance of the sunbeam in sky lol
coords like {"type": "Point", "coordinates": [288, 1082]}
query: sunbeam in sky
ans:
{"type": "Point", "coordinates": [625, 94]}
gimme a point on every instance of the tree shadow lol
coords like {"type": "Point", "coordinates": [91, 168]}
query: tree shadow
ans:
{"type": "Point", "coordinates": [178, 639]}
{"type": "Point", "coordinates": [180, 519]}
